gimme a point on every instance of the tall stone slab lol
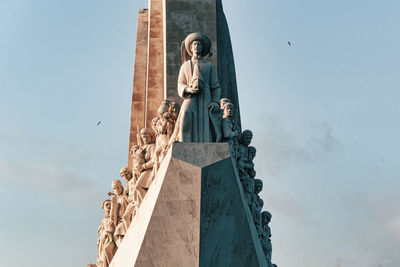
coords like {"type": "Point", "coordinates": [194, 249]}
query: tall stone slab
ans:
{"type": "Point", "coordinates": [228, 236]}
{"type": "Point", "coordinates": [194, 214]}
{"type": "Point", "coordinates": [155, 59]}
{"type": "Point", "coordinates": [139, 77]}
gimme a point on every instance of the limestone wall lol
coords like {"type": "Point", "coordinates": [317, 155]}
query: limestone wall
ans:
{"type": "Point", "coordinates": [139, 77]}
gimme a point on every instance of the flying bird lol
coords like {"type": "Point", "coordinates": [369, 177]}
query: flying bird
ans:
{"type": "Point", "coordinates": [289, 43]}
{"type": "Point", "coordinates": [98, 123]}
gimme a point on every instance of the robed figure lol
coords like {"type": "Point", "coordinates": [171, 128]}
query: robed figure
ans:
{"type": "Point", "coordinates": [199, 119]}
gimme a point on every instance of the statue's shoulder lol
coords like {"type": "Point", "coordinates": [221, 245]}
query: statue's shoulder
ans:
{"type": "Point", "coordinates": [185, 64]}
{"type": "Point", "coordinates": [208, 63]}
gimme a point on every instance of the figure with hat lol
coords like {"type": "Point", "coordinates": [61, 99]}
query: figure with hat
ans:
{"type": "Point", "coordinates": [199, 119]}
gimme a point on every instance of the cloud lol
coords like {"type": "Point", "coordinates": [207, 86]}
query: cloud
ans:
{"type": "Point", "coordinates": [373, 223]}
{"type": "Point", "coordinates": [45, 165]}
{"type": "Point", "coordinates": [48, 178]}
{"type": "Point", "coordinates": [281, 148]}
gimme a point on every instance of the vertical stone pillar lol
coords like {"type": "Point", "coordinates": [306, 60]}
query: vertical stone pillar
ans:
{"type": "Point", "coordinates": [155, 59]}
{"type": "Point", "coordinates": [181, 18]}
{"type": "Point", "coordinates": [139, 78]}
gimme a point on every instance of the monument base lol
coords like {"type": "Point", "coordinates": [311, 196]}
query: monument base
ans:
{"type": "Point", "coordinates": [194, 214]}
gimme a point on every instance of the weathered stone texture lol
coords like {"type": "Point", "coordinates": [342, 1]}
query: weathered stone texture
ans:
{"type": "Point", "coordinates": [139, 79]}
{"type": "Point", "coordinates": [155, 66]}
{"type": "Point", "coordinates": [228, 236]}
{"type": "Point", "coordinates": [165, 231]}
{"type": "Point", "coordinates": [194, 214]}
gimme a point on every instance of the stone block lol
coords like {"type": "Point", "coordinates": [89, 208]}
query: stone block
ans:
{"type": "Point", "coordinates": [194, 214]}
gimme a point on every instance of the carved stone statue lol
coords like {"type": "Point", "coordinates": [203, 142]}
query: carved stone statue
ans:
{"type": "Point", "coordinates": [249, 165]}
{"type": "Point", "coordinates": [222, 103]}
{"type": "Point", "coordinates": [243, 153]}
{"type": "Point", "coordinates": [248, 188]}
{"type": "Point", "coordinates": [119, 202]}
{"type": "Point", "coordinates": [163, 123]}
{"type": "Point", "coordinates": [230, 132]}
{"type": "Point", "coordinates": [198, 120]}
{"type": "Point", "coordinates": [146, 173]}
{"type": "Point", "coordinates": [131, 193]}
{"type": "Point", "coordinates": [154, 124]}
{"type": "Point", "coordinates": [265, 237]}
{"type": "Point", "coordinates": [258, 204]}
{"type": "Point", "coordinates": [105, 244]}
{"type": "Point", "coordinates": [137, 155]}
{"type": "Point", "coordinates": [173, 116]}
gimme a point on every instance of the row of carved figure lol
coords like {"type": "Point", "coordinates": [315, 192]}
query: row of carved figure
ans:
{"type": "Point", "coordinates": [252, 187]}
{"type": "Point", "coordinates": [147, 156]}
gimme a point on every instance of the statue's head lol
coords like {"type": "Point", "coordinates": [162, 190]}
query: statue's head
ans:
{"type": "Point", "coordinates": [198, 44]}
{"type": "Point", "coordinates": [245, 137]}
{"type": "Point", "coordinates": [258, 185]}
{"type": "Point", "coordinates": [125, 173]}
{"type": "Point", "coordinates": [164, 107]}
{"type": "Point", "coordinates": [223, 101]}
{"type": "Point", "coordinates": [266, 217]}
{"type": "Point", "coordinates": [196, 47]}
{"type": "Point", "coordinates": [106, 205]}
{"type": "Point", "coordinates": [117, 187]}
{"type": "Point", "coordinates": [134, 148]}
{"type": "Point", "coordinates": [174, 109]}
{"type": "Point", "coordinates": [147, 136]}
{"type": "Point", "coordinates": [252, 173]}
{"type": "Point", "coordinates": [229, 110]}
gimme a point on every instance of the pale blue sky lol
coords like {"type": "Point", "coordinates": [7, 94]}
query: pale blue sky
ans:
{"type": "Point", "coordinates": [324, 113]}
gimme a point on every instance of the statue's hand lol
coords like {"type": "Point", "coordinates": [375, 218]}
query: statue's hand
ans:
{"type": "Point", "coordinates": [191, 90]}
{"type": "Point", "coordinates": [213, 105]}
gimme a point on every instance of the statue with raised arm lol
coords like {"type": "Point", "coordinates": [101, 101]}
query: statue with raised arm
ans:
{"type": "Point", "coordinates": [199, 117]}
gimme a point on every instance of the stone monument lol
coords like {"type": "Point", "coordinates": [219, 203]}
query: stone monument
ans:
{"type": "Point", "coordinates": [191, 196]}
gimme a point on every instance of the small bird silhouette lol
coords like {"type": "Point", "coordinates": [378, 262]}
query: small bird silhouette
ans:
{"type": "Point", "coordinates": [289, 43]}
{"type": "Point", "coordinates": [98, 123]}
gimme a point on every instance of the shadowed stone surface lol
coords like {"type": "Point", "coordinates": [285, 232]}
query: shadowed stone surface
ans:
{"type": "Point", "coordinates": [228, 236]}
{"type": "Point", "coordinates": [200, 154]}
{"type": "Point", "coordinates": [226, 62]}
